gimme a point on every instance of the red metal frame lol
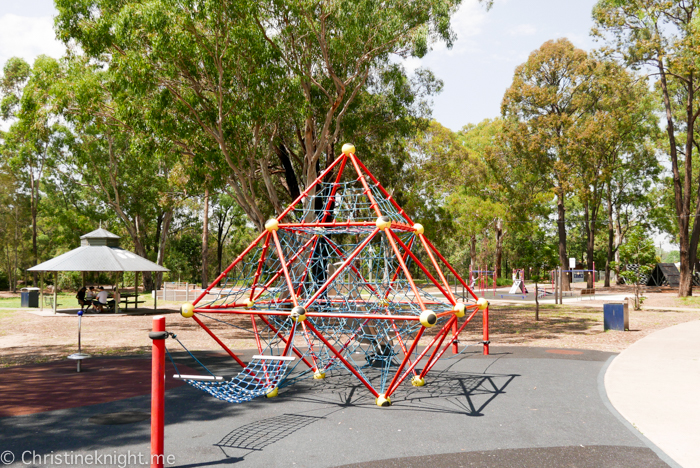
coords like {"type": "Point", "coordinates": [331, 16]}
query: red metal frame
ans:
{"type": "Point", "coordinates": [437, 346]}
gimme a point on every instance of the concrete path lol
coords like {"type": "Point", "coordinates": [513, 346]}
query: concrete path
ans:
{"type": "Point", "coordinates": [655, 385]}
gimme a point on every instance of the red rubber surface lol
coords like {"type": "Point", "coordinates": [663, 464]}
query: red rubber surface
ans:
{"type": "Point", "coordinates": [46, 387]}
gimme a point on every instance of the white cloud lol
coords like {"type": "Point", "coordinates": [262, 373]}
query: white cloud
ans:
{"type": "Point", "coordinates": [27, 37]}
{"type": "Point", "coordinates": [469, 19]}
{"type": "Point", "coordinates": [412, 64]}
{"type": "Point", "coordinates": [523, 30]}
{"type": "Point", "coordinates": [467, 23]}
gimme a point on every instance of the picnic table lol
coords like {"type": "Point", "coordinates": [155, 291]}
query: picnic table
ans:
{"type": "Point", "coordinates": [130, 298]}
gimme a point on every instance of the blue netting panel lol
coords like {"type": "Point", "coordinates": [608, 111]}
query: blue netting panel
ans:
{"type": "Point", "coordinates": [259, 377]}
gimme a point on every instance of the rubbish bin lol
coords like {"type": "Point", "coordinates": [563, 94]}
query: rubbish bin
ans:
{"type": "Point", "coordinates": [616, 317]}
{"type": "Point", "coordinates": [29, 297]}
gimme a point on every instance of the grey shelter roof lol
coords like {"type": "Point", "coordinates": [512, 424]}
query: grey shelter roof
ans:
{"type": "Point", "coordinates": [99, 251]}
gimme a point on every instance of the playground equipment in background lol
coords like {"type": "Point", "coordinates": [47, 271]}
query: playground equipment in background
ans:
{"type": "Point", "coordinates": [557, 289]}
{"type": "Point", "coordinates": [479, 280]}
{"type": "Point", "coordinates": [518, 282]}
{"type": "Point", "coordinates": [330, 280]}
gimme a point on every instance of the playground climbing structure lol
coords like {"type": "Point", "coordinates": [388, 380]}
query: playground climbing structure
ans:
{"type": "Point", "coordinates": [345, 281]}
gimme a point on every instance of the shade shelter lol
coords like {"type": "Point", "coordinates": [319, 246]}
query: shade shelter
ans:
{"type": "Point", "coordinates": [99, 252]}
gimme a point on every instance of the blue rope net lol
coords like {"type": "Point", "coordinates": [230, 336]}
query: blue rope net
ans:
{"type": "Point", "coordinates": [262, 375]}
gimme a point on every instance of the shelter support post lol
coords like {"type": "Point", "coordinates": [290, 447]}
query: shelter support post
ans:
{"type": "Point", "coordinates": [55, 291]}
{"type": "Point", "coordinates": [136, 290]}
{"type": "Point", "coordinates": [117, 295]}
{"type": "Point", "coordinates": [155, 294]}
{"type": "Point", "coordinates": [41, 290]}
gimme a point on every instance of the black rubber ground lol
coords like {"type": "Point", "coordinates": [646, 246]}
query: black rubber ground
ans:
{"type": "Point", "coordinates": [522, 407]}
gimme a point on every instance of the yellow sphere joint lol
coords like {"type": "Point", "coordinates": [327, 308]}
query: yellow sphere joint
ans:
{"type": "Point", "coordinates": [348, 148]}
{"type": "Point", "coordinates": [383, 222]}
{"type": "Point", "coordinates": [318, 375]}
{"type": "Point", "coordinates": [250, 304]}
{"type": "Point", "coordinates": [459, 309]}
{"type": "Point", "coordinates": [187, 310]}
{"type": "Point", "coordinates": [298, 314]}
{"type": "Point", "coordinates": [417, 381]}
{"type": "Point", "coordinates": [383, 400]}
{"type": "Point", "coordinates": [272, 393]}
{"type": "Point", "coordinates": [482, 303]}
{"type": "Point", "coordinates": [428, 318]}
{"type": "Point", "coordinates": [419, 228]}
{"type": "Point", "coordinates": [272, 225]}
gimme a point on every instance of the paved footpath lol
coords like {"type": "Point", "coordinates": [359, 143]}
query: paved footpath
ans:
{"type": "Point", "coordinates": [518, 407]}
{"type": "Point", "coordinates": [655, 385]}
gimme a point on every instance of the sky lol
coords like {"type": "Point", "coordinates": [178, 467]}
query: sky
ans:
{"type": "Point", "coordinates": [476, 71]}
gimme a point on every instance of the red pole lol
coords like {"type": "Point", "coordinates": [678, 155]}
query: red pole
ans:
{"type": "Point", "coordinates": [455, 343]}
{"type": "Point", "coordinates": [486, 331]}
{"type": "Point", "coordinates": [158, 395]}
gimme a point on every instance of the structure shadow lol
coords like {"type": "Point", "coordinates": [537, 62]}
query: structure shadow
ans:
{"type": "Point", "coordinates": [446, 391]}
{"type": "Point", "coordinates": [260, 434]}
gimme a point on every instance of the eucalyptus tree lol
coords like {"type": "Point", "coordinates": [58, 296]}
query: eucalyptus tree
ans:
{"type": "Point", "coordinates": [619, 135]}
{"type": "Point", "coordinates": [541, 110]}
{"type": "Point", "coordinates": [256, 92]}
{"type": "Point", "coordinates": [110, 151]}
{"type": "Point", "coordinates": [661, 37]}
{"type": "Point", "coordinates": [30, 143]}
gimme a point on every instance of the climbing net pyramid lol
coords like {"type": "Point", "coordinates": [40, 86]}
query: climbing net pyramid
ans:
{"type": "Point", "coordinates": [344, 280]}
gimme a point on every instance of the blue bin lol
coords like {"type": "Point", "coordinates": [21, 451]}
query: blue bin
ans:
{"type": "Point", "coordinates": [615, 317]}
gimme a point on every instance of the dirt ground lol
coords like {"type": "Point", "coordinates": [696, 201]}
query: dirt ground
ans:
{"type": "Point", "coordinates": [29, 338]}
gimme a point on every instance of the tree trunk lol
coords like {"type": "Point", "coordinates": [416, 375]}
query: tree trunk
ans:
{"type": "Point", "coordinates": [499, 246]}
{"type": "Point", "coordinates": [561, 229]}
{"type": "Point", "coordinates": [472, 253]}
{"type": "Point", "coordinates": [590, 243]}
{"type": "Point", "coordinates": [681, 193]}
{"type": "Point", "coordinates": [162, 240]}
{"type": "Point", "coordinates": [611, 238]}
{"type": "Point", "coordinates": [35, 249]}
{"type": "Point", "coordinates": [205, 239]}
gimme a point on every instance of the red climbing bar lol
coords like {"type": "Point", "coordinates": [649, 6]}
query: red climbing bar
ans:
{"type": "Point", "coordinates": [230, 353]}
{"type": "Point", "coordinates": [342, 359]}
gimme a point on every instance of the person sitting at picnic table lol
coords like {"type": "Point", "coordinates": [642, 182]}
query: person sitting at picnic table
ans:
{"type": "Point", "coordinates": [101, 302]}
{"type": "Point", "coordinates": [81, 297]}
{"type": "Point", "coordinates": [90, 297]}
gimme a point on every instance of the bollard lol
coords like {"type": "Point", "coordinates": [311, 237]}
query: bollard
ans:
{"type": "Point", "coordinates": [158, 391]}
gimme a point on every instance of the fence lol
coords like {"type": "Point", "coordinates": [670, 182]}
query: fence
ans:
{"type": "Point", "coordinates": [178, 292]}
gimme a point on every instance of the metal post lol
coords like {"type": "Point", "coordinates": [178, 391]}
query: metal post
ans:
{"type": "Point", "coordinates": [136, 290]}
{"type": "Point", "coordinates": [560, 288]}
{"type": "Point", "coordinates": [80, 318]}
{"type": "Point", "coordinates": [158, 395]}
{"type": "Point", "coordinates": [486, 330]}
{"type": "Point", "coordinates": [41, 289]}
{"type": "Point", "coordinates": [117, 295]}
{"type": "Point", "coordinates": [55, 291]}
